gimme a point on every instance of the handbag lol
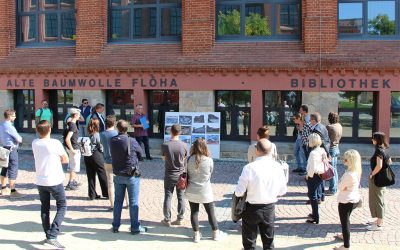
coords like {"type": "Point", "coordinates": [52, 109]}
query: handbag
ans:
{"type": "Point", "coordinates": [238, 205]}
{"type": "Point", "coordinates": [183, 179]}
{"type": "Point", "coordinates": [385, 177]}
{"type": "Point", "coordinates": [328, 169]}
{"type": "Point", "coordinates": [4, 157]}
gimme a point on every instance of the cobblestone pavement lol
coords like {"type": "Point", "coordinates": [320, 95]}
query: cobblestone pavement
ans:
{"type": "Point", "coordinates": [85, 218]}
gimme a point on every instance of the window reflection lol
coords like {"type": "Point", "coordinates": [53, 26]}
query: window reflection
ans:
{"type": "Point", "coordinates": [395, 115]}
{"type": "Point", "coordinates": [228, 18]}
{"type": "Point", "coordinates": [350, 18]}
{"type": "Point", "coordinates": [258, 19]}
{"type": "Point", "coordinates": [381, 18]}
{"type": "Point", "coordinates": [287, 19]}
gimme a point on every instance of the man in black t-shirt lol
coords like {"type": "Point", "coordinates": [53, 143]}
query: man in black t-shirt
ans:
{"type": "Point", "coordinates": [71, 144]}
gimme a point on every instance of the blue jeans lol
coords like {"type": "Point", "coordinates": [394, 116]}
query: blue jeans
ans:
{"type": "Point", "coordinates": [121, 183]}
{"type": "Point", "coordinates": [299, 154]}
{"type": "Point", "coordinates": [59, 195]}
{"type": "Point", "coordinates": [313, 185]}
{"type": "Point", "coordinates": [334, 152]}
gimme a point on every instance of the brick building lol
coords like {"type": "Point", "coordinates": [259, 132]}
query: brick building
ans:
{"type": "Point", "coordinates": [255, 61]}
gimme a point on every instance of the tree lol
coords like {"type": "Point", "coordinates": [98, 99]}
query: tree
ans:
{"type": "Point", "coordinates": [255, 24]}
{"type": "Point", "coordinates": [381, 25]}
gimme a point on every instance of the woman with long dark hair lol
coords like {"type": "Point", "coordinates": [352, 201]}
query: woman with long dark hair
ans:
{"type": "Point", "coordinates": [95, 162]}
{"type": "Point", "coordinates": [200, 168]}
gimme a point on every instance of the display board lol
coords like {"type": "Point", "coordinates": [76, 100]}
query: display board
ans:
{"type": "Point", "coordinates": [196, 124]}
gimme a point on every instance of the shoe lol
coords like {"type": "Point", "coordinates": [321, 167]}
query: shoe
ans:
{"type": "Point", "coordinates": [339, 237]}
{"type": "Point", "coordinates": [322, 199]}
{"type": "Point", "coordinates": [97, 197]}
{"type": "Point", "coordinates": [374, 227]}
{"type": "Point", "coordinates": [312, 221]}
{"type": "Point", "coordinates": [296, 170]}
{"type": "Point", "coordinates": [71, 187]}
{"type": "Point", "coordinates": [54, 243]}
{"type": "Point", "coordinates": [340, 248]}
{"type": "Point", "coordinates": [126, 207]}
{"type": "Point", "coordinates": [219, 235]}
{"type": "Point", "coordinates": [369, 223]}
{"type": "Point", "coordinates": [75, 183]}
{"type": "Point", "coordinates": [177, 222]}
{"type": "Point", "coordinates": [166, 223]}
{"type": "Point", "coordinates": [16, 195]}
{"type": "Point", "coordinates": [197, 237]}
{"type": "Point", "coordinates": [115, 230]}
{"type": "Point", "coordinates": [310, 216]}
{"type": "Point", "coordinates": [329, 193]}
{"type": "Point", "coordinates": [149, 158]}
{"type": "Point", "coordinates": [111, 209]}
{"type": "Point", "coordinates": [309, 202]}
{"type": "Point", "coordinates": [140, 230]}
{"type": "Point", "coordinates": [302, 173]}
{"type": "Point", "coordinates": [5, 191]}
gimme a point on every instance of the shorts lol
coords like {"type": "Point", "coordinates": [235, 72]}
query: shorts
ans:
{"type": "Point", "coordinates": [74, 164]}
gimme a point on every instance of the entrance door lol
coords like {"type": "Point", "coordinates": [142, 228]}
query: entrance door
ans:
{"type": "Point", "coordinates": [24, 104]}
{"type": "Point", "coordinates": [120, 104]}
{"type": "Point", "coordinates": [161, 101]}
{"type": "Point", "coordinates": [235, 114]}
{"type": "Point", "coordinates": [60, 101]}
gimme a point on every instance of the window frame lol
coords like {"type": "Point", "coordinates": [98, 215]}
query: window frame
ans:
{"type": "Point", "coordinates": [392, 111]}
{"type": "Point", "coordinates": [365, 35]}
{"type": "Point", "coordinates": [131, 7]}
{"type": "Point", "coordinates": [242, 6]}
{"type": "Point", "coordinates": [36, 13]}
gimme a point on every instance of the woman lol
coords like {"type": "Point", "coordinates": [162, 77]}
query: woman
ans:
{"type": "Point", "coordinates": [262, 132]}
{"type": "Point", "coordinates": [301, 145]}
{"type": "Point", "coordinates": [335, 134]}
{"type": "Point", "coordinates": [349, 193]}
{"type": "Point", "coordinates": [377, 194]}
{"type": "Point", "coordinates": [200, 167]}
{"type": "Point", "coordinates": [95, 162]}
{"type": "Point", "coordinates": [314, 168]}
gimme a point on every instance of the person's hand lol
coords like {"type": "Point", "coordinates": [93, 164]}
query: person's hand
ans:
{"type": "Point", "coordinates": [371, 176]}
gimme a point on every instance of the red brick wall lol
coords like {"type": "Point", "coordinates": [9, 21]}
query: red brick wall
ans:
{"type": "Point", "coordinates": [91, 27]}
{"type": "Point", "coordinates": [7, 27]}
{"type": "Point", "coordinates": [319, 20]}
{"type": "Point", "coordinates": [198, 26]}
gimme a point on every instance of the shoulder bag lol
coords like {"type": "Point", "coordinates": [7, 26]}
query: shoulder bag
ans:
{"type": "Point", "coordinates": [328, 169]}
{"type": "Point", "coordinates": [4, 157]}
{"type": "Point", "coordinates": [385, 177]}
{"type": "Point", "coordinates": [238, 205]}
{"type": "Point", "coordinates": [183, 178]}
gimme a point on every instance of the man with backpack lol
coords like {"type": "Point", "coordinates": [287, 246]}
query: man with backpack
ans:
{"type": "Point", "coordinates": [44, 113]}
{"type": "Point", "coordinates": [70, 137]}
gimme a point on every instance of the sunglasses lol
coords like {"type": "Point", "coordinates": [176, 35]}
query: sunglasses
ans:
{"type": "Point", "coordinates": [85, 103]}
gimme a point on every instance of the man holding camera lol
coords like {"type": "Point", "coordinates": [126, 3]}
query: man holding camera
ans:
{"type": "Point", "coordinates": [125, 154]}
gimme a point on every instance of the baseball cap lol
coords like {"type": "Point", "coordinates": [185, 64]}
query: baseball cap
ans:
{"type": "Point", "coordinates": [74, 111]}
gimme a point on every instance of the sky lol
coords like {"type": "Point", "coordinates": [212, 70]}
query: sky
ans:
{"type": "Point", "coordinates": [354, 10]}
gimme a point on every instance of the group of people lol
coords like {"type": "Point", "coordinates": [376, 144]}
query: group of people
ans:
{"type": "Point", "coordinates": [115, 158]}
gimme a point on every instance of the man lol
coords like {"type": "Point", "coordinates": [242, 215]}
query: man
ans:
{"type": "Point", "coordinates": [304, 112]}
{"type": "Point", "coordinates": [98, 109]}
{"type": "Point", "coordinates": [86, 109]}
{"type": "Point", "coordinates": [44, 113]}
{"type": "Point", "coordinates": [72, 146]}
{"type": "Point", "coordinates": [301, 144]}
{"type": "Point", "coordinates": [140, 131]}
{"type": "Point", "coordinates": [264, 180]}
{"type": "Point", "coordinates": [124, 153]}
{"type": "Point", "coordinates": [10, 139]}
{"type": "Point", "coordinates": [49, 154]}
{"type": "Point", "coordinates": [174, 153]}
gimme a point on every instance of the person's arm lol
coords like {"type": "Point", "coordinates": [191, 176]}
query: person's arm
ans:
{"type": "Point", "coordinates": [68, 141]}
{"type": "Point", "coordinates": [243, 182]}
{"type": "Point", "coordinates": [312, 163]}
{"type": "Point", "coordinates": [378, 167]}
{"type": "Point", "coordinates": [135, 123]}
{"type": "Point", "coordinates": [64, 158]}
{"type": "Point", "coordinates": [61, 152]}
{"type": "Point", "coordinates": [14, 134]}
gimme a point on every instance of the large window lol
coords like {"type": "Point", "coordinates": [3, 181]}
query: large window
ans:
{"type": "Point", "coordinates": [24, 105]}
{"type": "Point", "coordinates": [119, 102]}
{"type": "Point", "coordinates": [145, 20]}
{"type": "Point", "coordinates": [356, 111]}
{"type": "Point", "coordinates": [395, 117]}
{"type": "Point", "coordinates": [262, 19]}
{"type": "Point", "coordinates": [369, 19]}
{"type": "Point", "coordinates": [45, 21]}
{"type": "Point", "coordinates": [279, 107]}
{"type": "Point", "coordinates": [161, 101]}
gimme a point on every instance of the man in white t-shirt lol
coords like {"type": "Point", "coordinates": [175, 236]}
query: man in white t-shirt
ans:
{"type": "Point", "coordinates": [49, 154]}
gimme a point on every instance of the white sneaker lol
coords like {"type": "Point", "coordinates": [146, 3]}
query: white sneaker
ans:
{"type": "Point", "coordinates": [196, 237]}
{"type": "Point", "coordinates": [375, 227]}
{"type": "Point", "coordinates": [219, 235]}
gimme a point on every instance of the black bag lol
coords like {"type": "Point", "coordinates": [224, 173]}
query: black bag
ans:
{"type": "Point", "coordinates": [385, 177]}
{"type": "Point", "coordinates": [238, 205]}
{"type": "Point", "coordinates": [133, 171]}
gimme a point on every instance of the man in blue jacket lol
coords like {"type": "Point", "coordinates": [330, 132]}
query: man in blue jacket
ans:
{"type": "Point", "coordinates": [86, 109]}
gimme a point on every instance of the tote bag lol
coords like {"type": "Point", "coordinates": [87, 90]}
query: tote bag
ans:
{"type": "Point", "coordinates": [4, 157]}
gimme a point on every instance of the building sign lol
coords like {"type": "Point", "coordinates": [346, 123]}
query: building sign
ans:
{"type": "Point", "coordinates": [346, 84]}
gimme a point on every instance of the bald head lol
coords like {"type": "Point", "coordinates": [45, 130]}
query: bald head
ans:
{"type": "Point", "coordinates": [263, 147]}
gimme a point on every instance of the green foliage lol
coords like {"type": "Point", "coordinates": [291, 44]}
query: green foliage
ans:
{"type": "Point", "coordinates": [381, 25]}
{"type": "Point", "coordinates": [255, 24]}
{"type": "Point", "coordinates": [114, 36]}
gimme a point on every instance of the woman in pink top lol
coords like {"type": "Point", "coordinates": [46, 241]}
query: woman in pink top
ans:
{"type": "Point", "coordinates": [349, 193]}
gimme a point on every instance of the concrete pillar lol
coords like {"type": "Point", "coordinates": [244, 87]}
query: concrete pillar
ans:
{"type": "Point", "coordinates": [256, 113]}
{"type": "Point", "coordinates": [383, 110]}
{"type": "Point", "coordinates": [196, 101]}
{"type": "Point", "coordinates": [321, 102]}
{"type": "Point", "coordinates": [6, 101]}
{"type": "Point", "coordinates": [94, 97]}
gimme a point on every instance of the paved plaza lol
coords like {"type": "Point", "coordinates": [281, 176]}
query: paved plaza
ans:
{"type": "Point", "coordinates": [87, 223]}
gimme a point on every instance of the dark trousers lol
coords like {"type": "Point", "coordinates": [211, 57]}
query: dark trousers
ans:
{"type": "Point", "coordinates": [95, 165]}
{"type": "Point", "coordinates": [258, 218]}
{"type": "Point", "coordinates": [145, 141]}
{"type": "Point", "coordinates": [345, 210]}
{"type": "Point", "coordinates": [58, 194]}
{"type": "Point", "coordinates": [168, 192]}
{"type": "Point", "coordinates": [313, 184]}
{"type": "Point", "coordinates": [321, 191]}
{"type": "Point", "coordinates": [194, 215]}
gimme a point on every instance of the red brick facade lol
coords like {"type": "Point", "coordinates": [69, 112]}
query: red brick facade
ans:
{"type": "Point", "coordinates": [7, 27]}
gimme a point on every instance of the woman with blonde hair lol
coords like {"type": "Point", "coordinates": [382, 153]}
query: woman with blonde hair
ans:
{"type": "Point", "coordinates": [348, 193]}
{"type": "Point", "coordinates": [95, 162]}
{"type": "Point", "coordinates": [315, 167]}
{"type": "Point", "coordinates": [262, 132]}
{"type": "Point", "coordinates": [199, 168]}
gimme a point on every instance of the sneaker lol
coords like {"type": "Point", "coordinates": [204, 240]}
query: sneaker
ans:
{"type": "Point", "coordinates": [5, 191]}
{"type": "Point", "coordinates": [54, 243]}
{"type": "Point", "coordinates": [340, 248]}
{"type": "Point", "coordinates": [374, 227]}
{"type": "Point", "coordinates": [166, 223]}
{"type": "Point", "coordinates": [150, 158]}
{"type": "Point", "coordinates": [370, 223]}
{"type": "Point", "coordinates": [16, 195]}
{"type": "Point", "coordinates": [296, 170]}
{"type": "Point", "coordinates": [178, 222]}
{"type": "Point", "coordinates": [75, 183]}
{"type": "Point", "coordinates": [301, 173]}
{"type": "Point", "coordinates": [114, 230]}
{"type": "Point", "coordinates": [197, 237]}
{"type": "Point", "coordinates": [219, 235]}
{"type": "Point", "coordinates": [140, 230]}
